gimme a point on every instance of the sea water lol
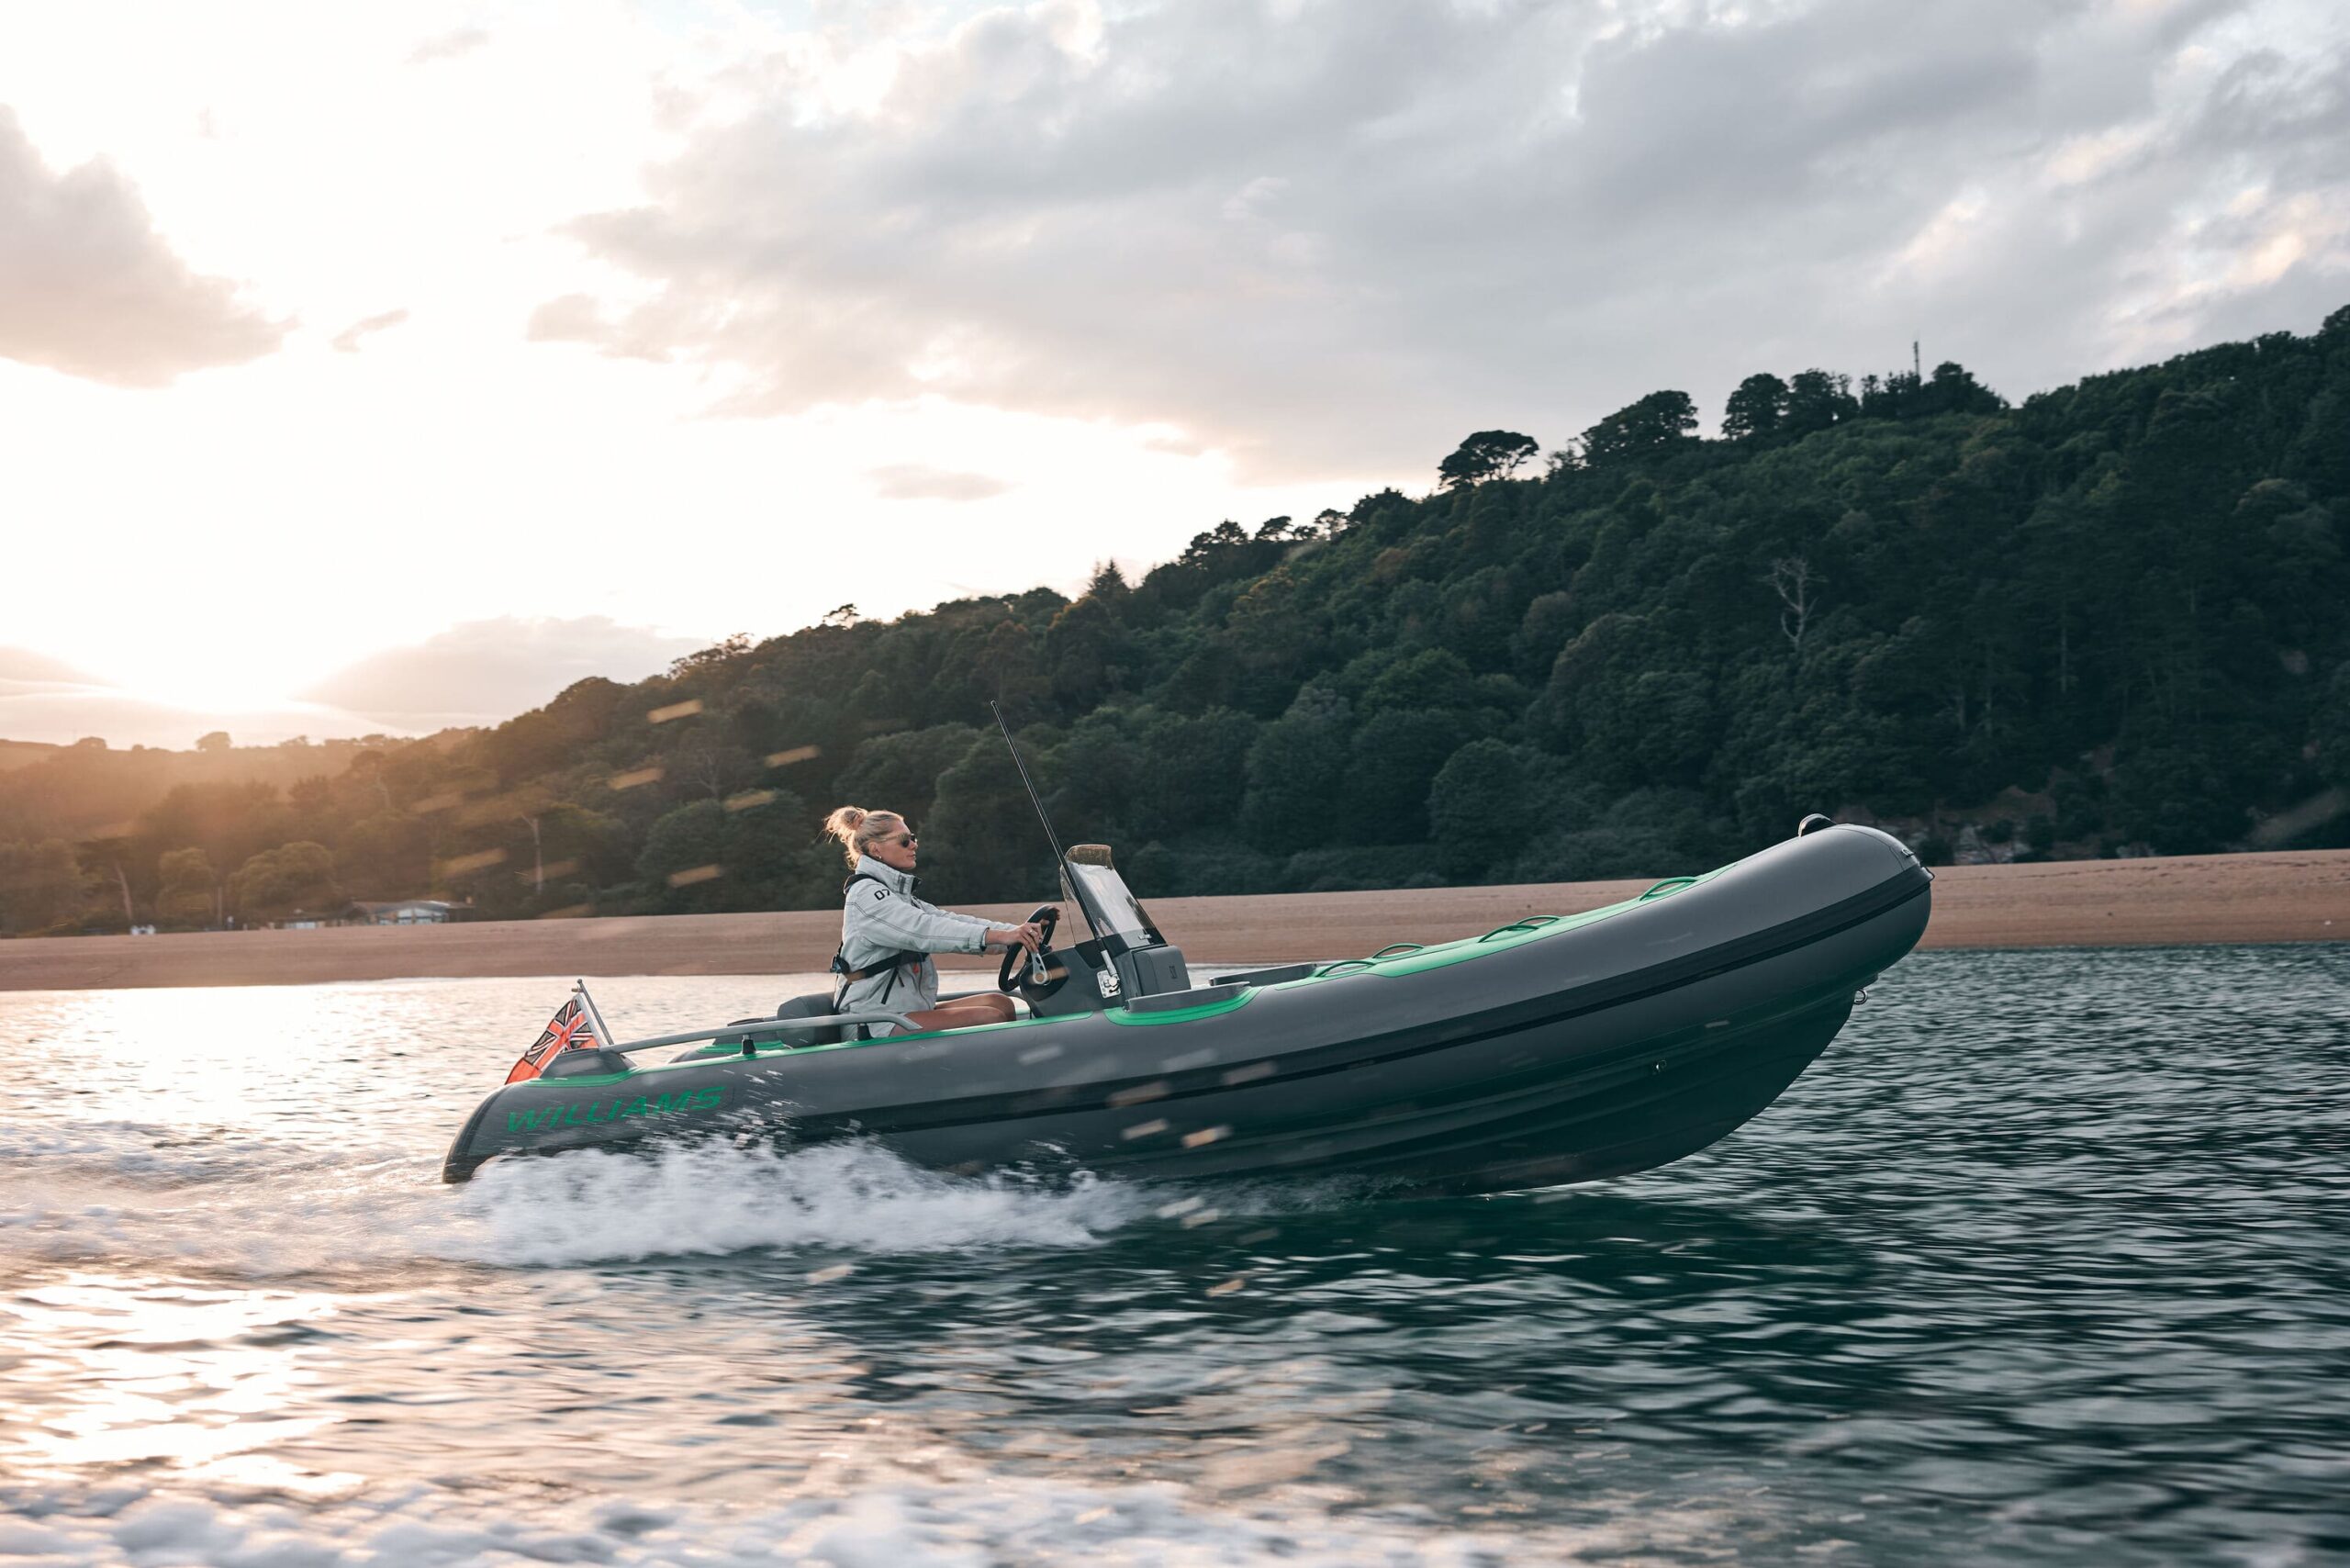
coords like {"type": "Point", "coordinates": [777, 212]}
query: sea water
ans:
{"type": "Point", "coordinates": [2047, 1260]}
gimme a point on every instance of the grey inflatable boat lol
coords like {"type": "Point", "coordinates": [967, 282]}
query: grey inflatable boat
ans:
{"type": "Point", "coordinates": [1554, 1050]}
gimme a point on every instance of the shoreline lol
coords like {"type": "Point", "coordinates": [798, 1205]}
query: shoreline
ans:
{"type": "Point", "coordinates": [2191, 901]}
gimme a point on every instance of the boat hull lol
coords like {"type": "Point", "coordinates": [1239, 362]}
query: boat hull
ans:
{"type": "Point", "coordinates": [1611, 1042]}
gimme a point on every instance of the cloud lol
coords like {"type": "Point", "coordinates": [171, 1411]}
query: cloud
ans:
{"type": "Point", "coordinates": [22, 666]}
{"type": "Point", "coordinates": [47, 699]}
{"type": "Point", "coordinates": [487, 671]}
{"type": "Point", "coordinates": [481, 673]}
{"type": "Point", "coordinates": [88, 287]}
{"type": "Point", "coordinates": [349, 339]}
{"type": "Point", "coordinates": [1316, 233]}
{"type": "Point", "coordinates": [913, 482]}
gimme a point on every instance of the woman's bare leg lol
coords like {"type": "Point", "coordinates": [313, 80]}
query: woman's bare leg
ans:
{"type": "Point", "coordinates": [965, 1012]}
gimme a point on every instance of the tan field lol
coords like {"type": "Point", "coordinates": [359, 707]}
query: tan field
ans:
{"type": "Point", "coordinates": [2301, 897]}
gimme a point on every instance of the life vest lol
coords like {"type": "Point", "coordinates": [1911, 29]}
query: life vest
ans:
{"type": "Point", "coordinates": [897, 960]}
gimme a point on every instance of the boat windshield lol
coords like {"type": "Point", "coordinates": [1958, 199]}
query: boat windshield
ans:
{"type": "Point", "coordinates": [1118, 909]}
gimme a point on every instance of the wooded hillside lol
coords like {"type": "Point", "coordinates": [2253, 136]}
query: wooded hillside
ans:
{"type": "Point", "coordinates": [2114, 618]}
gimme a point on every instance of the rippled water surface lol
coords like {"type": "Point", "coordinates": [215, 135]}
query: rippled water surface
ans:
{"type": "Point", "coordinates": [2047, 1260]}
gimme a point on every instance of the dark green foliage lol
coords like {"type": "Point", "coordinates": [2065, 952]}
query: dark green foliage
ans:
{"type": "Point", "coordinates": [1477, 805]}
{"type": "Point", "coordinates": [1657, 423]}
{"type": "Point", "coordinates": [1951, 389]}
{"type": "Point", "coordinates": [187, 888]}
{"type": "Point", "coordinates": [1352, 871]}
{"type": "Point", "coordinates": [1488, 455]}
{"type": "Point", "coordinates": [983, 842]}
{"type": "Point", "coordinates": [703, 857]}
{"type": "Point", "coordinates": [2127, 600]}
{"type": "Point", "coordinates": [900, 771]}
{"type": "Point", "coordinates": [2329, 742]}
{"type": "Point", "coordinates": [293, 876]}
{"type": "Point", "coordinates": [386, 855]}
{"type": "Point", "coordinates": [1759, 407]}
{"type": "Point", "coordinates": [1393, 760]}
{"type": "Point", "coordinates": [40, 885]}
{"type": "Point", "coordinates": [1816, 400]}
{"type": "Point", "coordinates": [1295, 773]}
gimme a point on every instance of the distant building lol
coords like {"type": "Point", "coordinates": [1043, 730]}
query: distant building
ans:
{"type": "Point", "coordinates": [394, 911]}
{"type": "Point", "coordinates": [402, 912]}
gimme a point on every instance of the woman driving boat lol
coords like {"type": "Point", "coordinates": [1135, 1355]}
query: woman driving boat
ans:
{"type": "Point", "coordinates": [887, 934]}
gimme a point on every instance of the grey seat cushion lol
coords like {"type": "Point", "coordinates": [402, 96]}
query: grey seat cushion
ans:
{"type": "Point", "coordinates": [815, 1005]}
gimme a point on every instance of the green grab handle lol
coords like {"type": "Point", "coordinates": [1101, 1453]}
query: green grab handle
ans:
{"type": "Point", "coordinates": [1670, 885]}
{"type": "Point", "coordinates": [1532, 922]}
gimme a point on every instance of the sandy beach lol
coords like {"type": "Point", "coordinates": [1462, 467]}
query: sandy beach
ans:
{"type": "Point", "coordinates": [2298, 897]}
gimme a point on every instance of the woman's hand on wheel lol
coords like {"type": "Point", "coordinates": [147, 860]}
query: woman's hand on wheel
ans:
{"type": "Point", "coordinates": [1031, 937]}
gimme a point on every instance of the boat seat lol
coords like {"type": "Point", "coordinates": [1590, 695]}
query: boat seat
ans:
{"type": "Point", "coordinates": [815, 1005]}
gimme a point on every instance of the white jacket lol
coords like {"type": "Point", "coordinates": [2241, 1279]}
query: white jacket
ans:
{"type": "Point", "coordinates": [883, 916]}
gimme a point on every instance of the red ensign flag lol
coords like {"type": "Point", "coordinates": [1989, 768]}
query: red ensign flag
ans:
{"type": "Point", "coordinates": [566, 1029]}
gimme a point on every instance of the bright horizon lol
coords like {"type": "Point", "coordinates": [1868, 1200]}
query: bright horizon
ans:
{"type": "Point", "coordinates": [374, 371]}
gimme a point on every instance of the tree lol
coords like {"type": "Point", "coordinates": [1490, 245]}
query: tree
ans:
{"type": "Point", "coordinates": [900, 771]}
{"type": "Point", "coordinates": [386, 855]}
{"type": "Point", "coordinates": [983, 812]}
{"type": "Point", "coordinates": [1818, 399]}
{"type": "Point", "coordinates": [1194, 767]}
{"type": "Point", "coordinates": [2330, 727]}
{"type": "Point", "coordinates": [186, 892]}
{"type": "Point", "coordinates": [704, 760]}
{"type": "Point", "coordinates": [1797, 585]}
{"type": "Point", "coordinates": [40, 884]}
{"type": "Point", "coordinates": [718, 656]}
{"type": "Point", "coordinates": [215, 742]}
{"type": "Point", "coordinates": [1758, 407]}
{"type": "Point", "coordinates": [1476, 804]}
{"type": "Point", "coordinates": [1396, 756]}
{"type": "Point", "coordinates": [1953, 389]}
{"type": "Point", "coordinates": [1296, 767]}
{"type": "Point", "coordinates": [1658, 422]}
{"type": "Point", "coordinates": [229, 822]}
{"type": "Point", "coordinates": [684, 858]}
{"type": "Point", "coordinates": [1488, 455]}
{"type": "Point", "coordinates": [277, 882]}
{"type": "Point", "coordinates": [530, 805]}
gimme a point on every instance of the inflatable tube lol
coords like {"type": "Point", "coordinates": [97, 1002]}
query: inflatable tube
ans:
{"type": "Point", "coordinates": [1551, 1050]}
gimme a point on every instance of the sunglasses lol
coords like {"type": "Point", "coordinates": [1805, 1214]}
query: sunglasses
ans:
{"type": "Point", "coordinates": [903, 840]}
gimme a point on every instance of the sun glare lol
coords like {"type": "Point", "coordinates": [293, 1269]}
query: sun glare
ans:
{"type": "Point", "coordinates": [238, 682]}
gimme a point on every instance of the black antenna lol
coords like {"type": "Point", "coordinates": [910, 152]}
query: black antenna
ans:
{"type": "Point", "coordinates": [1060, 861]}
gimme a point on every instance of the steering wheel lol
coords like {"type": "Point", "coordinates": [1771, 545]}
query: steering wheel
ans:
{"type": "Point", "coordinates": [1025, 974]}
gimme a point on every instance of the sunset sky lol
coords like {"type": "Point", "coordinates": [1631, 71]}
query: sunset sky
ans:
{"type": "Point", "coordinates": [381, 367]}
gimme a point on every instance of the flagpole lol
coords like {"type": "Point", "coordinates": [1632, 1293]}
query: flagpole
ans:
{"type": "Point", "coordinates": [595, 1018]}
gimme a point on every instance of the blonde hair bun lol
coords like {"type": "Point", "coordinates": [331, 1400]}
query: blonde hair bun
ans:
{"type": "Point", "coordinates": [856, 827]}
